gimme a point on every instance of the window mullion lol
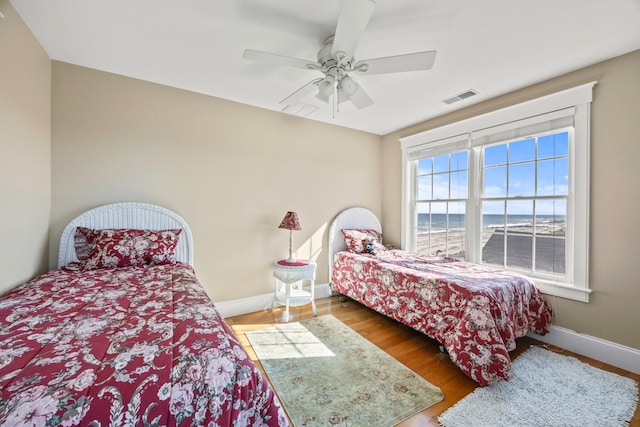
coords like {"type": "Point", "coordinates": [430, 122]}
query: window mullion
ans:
{"type": "Point", "coordinates": [474, 215]}
{"type": "Point", "coordinates": [504, 223]}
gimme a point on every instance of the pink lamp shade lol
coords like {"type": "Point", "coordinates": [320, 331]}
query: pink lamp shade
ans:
{"type": "Point", "coordinates": [290, 222]}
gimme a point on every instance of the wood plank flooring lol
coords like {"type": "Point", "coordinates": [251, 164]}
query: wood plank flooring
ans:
{"type": "Point", "coordinates": [415, 350]}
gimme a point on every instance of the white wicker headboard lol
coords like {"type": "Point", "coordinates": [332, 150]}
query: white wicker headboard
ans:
{"type": "Point", "coordinates": [127, 215]}
{"type": "Point", "coordinates": [361, 218]}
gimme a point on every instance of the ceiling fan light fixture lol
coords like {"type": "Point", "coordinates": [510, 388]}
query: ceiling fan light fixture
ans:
{"type": "Point", "coordinates": [349, 86]}
{"type": "Point", "coordinates": [321, 97]}
{"type": "Point", "coordinates": [325, 86]}
{"type": "Point", "coordinates": [343, 96]}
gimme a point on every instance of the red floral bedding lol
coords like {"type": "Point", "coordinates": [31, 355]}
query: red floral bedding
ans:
{"type": "Point", "coordinates": [126, 346]}
{"type": "Point", "coordinates": [475, 311]}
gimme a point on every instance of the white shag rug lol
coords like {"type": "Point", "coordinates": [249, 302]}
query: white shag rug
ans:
{"type": "Point", "coordinates": [548, 389]}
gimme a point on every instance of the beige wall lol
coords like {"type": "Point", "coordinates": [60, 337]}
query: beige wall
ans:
{"type": "Point", "coordinates": [231, 170]}
{"type": "Point", "coordinates": [25, 137]}
{"type": "Point", "coordinates": [613, 311]}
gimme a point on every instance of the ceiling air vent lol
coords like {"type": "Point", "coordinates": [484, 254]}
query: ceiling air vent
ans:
{"type": "Point", "coordinates": [464, 95]}
{"type": "Point", "coordinates": [300, 109]}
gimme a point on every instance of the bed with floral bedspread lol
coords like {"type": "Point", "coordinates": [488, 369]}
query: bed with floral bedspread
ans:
{"type": "Point", "coordinates": [475, 311]}
{"type": "Point", "coordinates": [136, 345]}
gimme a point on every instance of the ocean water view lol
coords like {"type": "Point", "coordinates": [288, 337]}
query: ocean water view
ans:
{"type": "Point", "coordinates": [457, 221]}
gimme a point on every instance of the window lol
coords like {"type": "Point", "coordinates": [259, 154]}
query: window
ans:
{"type": "Point", "coordinates": [441, 186]}
{"type": "Point", "coordinates": [524, 203]}
{"type": "Point", "coordinates": [508, 188]}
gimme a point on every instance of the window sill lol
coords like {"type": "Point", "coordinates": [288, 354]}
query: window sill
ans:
{"type": "Point", "coordinates": [563, 290]}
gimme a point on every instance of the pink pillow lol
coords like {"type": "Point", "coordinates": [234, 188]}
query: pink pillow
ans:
{"type": "Point", "coordinates": [113, 248]}
{"type": "Point", "coordinates": [356, 239]}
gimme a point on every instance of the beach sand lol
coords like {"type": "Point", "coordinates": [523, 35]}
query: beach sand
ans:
{"type": "Point", "coordinates": [549, 245]}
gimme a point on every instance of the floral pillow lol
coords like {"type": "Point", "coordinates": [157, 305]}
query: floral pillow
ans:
{"type": "Point", "coordinates": [113, 248]}
{"type": "Point", "coordinates": [82, 246]}
{"type": "Point", "coordinates": [357, 239]}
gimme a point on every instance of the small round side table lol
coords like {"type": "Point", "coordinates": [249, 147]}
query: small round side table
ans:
{"type": "Point", "coordinates": [289, 277]}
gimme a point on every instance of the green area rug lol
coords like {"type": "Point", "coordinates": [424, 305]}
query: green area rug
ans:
{"type": "Point", "coordinates": [548, 389]}
{"type": "Point", "coordinates": [326, 374]}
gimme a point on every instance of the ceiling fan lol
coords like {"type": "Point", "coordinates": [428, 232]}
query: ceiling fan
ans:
{"type": "Point", "coordinates": [336, 60]}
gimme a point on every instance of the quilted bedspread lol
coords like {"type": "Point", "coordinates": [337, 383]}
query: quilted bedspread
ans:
{"type": "Point", "coordinates": [475, 311]}
{"type": "Point", "coordinates": [128, 346]}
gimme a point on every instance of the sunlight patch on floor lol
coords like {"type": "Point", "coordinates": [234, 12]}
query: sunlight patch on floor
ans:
{"type": "Point", "coordinates": [288, 341]}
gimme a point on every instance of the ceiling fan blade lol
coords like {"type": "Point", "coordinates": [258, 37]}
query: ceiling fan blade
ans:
{"type": "Point", "coordinates": [273, 58]}
{"type": "Point", "coordinates": [353, 20]}
{"type": "Point", "coordinates": [360, 99]}
{"type": "Point", "coordinates": [301, 93]}
{"type": "Point", "coordinates": [418, 61]}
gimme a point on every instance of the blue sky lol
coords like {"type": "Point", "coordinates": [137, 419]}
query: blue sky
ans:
{"type": "Point", "coordinates": [517, 160]}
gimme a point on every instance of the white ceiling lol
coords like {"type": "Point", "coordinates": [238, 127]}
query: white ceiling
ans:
{"type": "Point", "coordinates": [492, 46]}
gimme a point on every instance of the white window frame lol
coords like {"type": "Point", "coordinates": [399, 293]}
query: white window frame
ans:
{"type": "Point", "coordinates": [453, 137]}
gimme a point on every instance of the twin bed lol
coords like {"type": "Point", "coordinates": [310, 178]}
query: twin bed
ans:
{"type": "Point", "coordinates": [125, 335]}
{"type": "Point", "coordinates": [475, 311]}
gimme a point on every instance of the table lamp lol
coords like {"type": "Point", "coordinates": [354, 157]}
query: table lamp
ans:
{"type": "Point", "coordinates": [290, 222]}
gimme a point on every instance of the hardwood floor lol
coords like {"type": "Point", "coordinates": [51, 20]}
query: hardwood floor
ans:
{"type": "Point", "coordinates": [415, 350]}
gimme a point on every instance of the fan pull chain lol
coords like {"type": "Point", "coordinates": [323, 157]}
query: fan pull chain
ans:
{"type": "Point", "coordinates": [336, 103]}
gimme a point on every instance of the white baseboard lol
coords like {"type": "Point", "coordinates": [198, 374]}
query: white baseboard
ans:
{"type": "Point", "coordinates": [618, 355]}
{"type": "Point", "coordinates": [256, 303]}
